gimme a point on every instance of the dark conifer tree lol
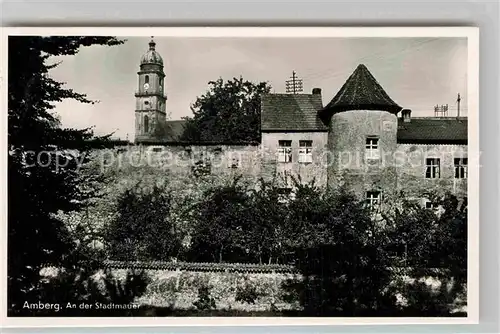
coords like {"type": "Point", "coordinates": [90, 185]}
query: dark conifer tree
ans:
{"type": "Point", "coordinates": [44, 161]}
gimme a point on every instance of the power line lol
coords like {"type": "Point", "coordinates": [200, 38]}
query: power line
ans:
{"type": "Point", "coordinates": [377, 56]}
{"type": "Point", "coordinates": [333, 73]}
{"type": "Point", "coordinates": [294, 85]}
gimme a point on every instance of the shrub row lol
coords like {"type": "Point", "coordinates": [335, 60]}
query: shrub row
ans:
{"type": "Point", "coordinates": [203, 266]}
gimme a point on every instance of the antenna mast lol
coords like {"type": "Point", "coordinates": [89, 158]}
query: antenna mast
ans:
{"type": "Point", "coordinates": [441, 111]}
{"type": "Point", "coordinates": [294, 85]}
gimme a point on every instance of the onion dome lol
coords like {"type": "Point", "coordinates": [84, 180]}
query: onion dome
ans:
{"type": "Point", "coordinates": [151, 56]}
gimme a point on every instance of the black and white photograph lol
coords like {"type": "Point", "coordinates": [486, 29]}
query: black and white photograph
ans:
{"type": "Point", "coordinates": [183, 174]}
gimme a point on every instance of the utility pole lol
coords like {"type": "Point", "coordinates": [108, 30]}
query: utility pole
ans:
{"type": "Point", "coordinates": [458, 105]}
{"type": "Point", "coordinates": [294, 85]}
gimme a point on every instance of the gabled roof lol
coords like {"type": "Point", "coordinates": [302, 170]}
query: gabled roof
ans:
{"type": "Point", "coordinates": [170, 132]}
{"type": "Point", "coordinates": [360, 91]}
{"type": "Point", "coordinates": [291, 112]}
{"type": "Point", "coordinates": [174, 130]}
{"type": "Point", "coordinates": [430, 130]}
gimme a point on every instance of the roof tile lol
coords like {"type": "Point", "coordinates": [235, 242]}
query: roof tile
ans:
{"type": "Point", "coordinates": [432, 130]}
{"type": "Point", "coordinates": [291, 112]}
{"type": "Point", "coordinates": [173, 130]}
{"type": "Point", "coordinates": [361, 91]}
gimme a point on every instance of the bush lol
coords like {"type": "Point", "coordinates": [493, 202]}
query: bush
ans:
{"type": "Point", "coordinates": [338, 249]}
{"type": "Point", "coordinates": [235, 223]}
{"type": "Point", "coordinates": [435, 247]}
{"type": "Point", "coordinates": [332, 238]}
{"type": "Point", "coordinates": [87, 284]}
{"type": "Point", "coordinates": [205, 301]}
{"type": "Point", "coordinates": [220, 220]}
{"type": "Point", "coordinates": [246, 294]}
{"type": "Point", "coordinates": [143, 229]}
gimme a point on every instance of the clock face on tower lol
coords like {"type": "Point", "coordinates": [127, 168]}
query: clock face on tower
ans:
{"type": "Point", "coordinates": [146, 86]}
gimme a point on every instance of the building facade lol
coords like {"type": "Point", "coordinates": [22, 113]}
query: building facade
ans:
{"type": "Point", "coordinates": [361, 139]}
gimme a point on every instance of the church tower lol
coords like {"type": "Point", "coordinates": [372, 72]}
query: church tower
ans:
{"type": "Point", "coordinates": [150, 109]}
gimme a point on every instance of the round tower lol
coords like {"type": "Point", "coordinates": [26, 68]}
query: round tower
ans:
{"type": "Point", "coordinates": [362, 136]}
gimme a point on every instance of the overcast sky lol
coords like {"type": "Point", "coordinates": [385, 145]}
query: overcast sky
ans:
{"type": "Point", "coordinates": [417, 73]}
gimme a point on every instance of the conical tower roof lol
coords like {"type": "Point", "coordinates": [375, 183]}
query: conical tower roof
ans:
{"type": "Point", "coordinates": [361, 91]}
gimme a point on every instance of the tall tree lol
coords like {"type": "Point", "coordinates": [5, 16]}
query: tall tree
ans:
{"type": "Point", "coordinates": [43, 162]}
{"type": "Point", "coordinates": [265, 235]}
{"type": "Point", "coordinates": [220, 221]}
{"type": "Point", "coordinates": [433, 244]}
{"type": "Point", "coordinates": [143, 228]}
{"type": "Point", "coordinates": [228, 111]}
{"type": "Point", "coordinates": [338, 251]}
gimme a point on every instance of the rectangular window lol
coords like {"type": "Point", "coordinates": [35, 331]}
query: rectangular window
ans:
{"type": "Point", "coordinates": [305, 151]}
{"type": "Point", "coordinates": [373, 199]}
{"type": "Point", "coordinates": [429, 204]}
{"type": "Point", "coordinates": [372, 149]}
{"type": "Point", "coordinates": [156, 149]}
{"type": "Point", "coordinates": [285, 151]}
{"type": "Point", "coordinates": [235, 162]}
{"type": "Point", "coordinates": [460, 168]}
{"type": "Point", "coordinates": [201, 164]}
{"type": "Point", "coordinates": [202, 158]}
{"type": "Point", "coordinates": [432, 168]}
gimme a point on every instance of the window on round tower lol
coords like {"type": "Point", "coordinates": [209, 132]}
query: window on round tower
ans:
{"type": "Point", "coordinates": [146, 79]}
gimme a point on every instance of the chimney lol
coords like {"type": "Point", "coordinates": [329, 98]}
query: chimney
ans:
{"type": "Point", "coordinates": [316, 91]}
{"type": "Point", "coordinates": [406, 114]}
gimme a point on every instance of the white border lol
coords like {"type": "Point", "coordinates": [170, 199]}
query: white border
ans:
{"type": "Point", "coordinates": [472, 35]}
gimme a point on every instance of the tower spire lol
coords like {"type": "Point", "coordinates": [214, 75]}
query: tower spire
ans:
{"type": "Point", "coordinates": [152, 43]}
